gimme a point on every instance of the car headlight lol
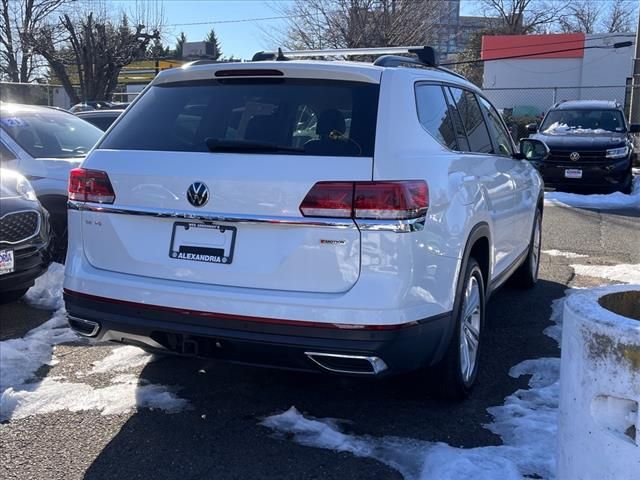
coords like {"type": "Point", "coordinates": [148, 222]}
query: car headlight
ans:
{"type": "Point", "coordinates": [618, 152]}
{"type": "Point", "coordinates": [24, 188]}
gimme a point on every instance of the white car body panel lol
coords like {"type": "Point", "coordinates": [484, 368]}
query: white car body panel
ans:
{"type": "Point", "coordinates": [283, 272]}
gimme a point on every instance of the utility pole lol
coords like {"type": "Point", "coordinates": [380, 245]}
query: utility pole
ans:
{"type": "Point", "coordinates": [635, 83]}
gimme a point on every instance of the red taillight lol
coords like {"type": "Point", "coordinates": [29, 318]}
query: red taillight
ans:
{"type": "Point", "coordinates": [90, 186]}
{"type": "Point", "coordinates": [396, 200]}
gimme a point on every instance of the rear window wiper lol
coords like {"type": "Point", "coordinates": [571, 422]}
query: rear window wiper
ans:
{"type": "Point", "coordinates": [247, 146]}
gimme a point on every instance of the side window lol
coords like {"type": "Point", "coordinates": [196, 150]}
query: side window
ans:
{"type": "Point", "coordinates": [500, 133]}
{"type": "Point", "coordinates": [473, 121]}
{"type": "Point", "coordinates": [434, 114]}
{"type": "Point", "coordinates": [463, 143]}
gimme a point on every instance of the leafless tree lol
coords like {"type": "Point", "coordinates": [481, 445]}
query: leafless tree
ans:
{"type": "Point", "coordinates": [621, 16]}
{"type": "Point", "coordinates": [520, 17]}
{"type": "Point", "coordinates": [582, 16]}
{"type": "Point", "coordinates": [20, 20]}
{"type": "Point", "coordinates": [91, 52]}
{"type": "Point", "coordinates": [314, 24]}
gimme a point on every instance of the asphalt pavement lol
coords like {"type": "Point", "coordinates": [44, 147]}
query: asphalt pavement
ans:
{"type": "Point", "coordinates": [219, 435]}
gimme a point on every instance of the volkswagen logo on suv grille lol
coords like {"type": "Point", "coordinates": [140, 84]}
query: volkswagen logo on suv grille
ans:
{"type": "Point", "coordinates": [574, 157]}
{"type": "Point", "coordinates": [198, 194]}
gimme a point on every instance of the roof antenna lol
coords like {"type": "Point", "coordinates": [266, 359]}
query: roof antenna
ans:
{"type": "Point", "coordinates": [281, 56]}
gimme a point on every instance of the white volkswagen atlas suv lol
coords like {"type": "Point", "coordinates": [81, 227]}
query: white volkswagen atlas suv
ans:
{"type": "Point", "coordinates": [315, 215]}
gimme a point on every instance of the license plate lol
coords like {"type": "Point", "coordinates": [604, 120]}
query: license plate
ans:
{"type": "Point", "coordinates": [7, 263]}
{"type": "Point", "coordinates": [573, 173]}
{"type": "Point", "coordinates": [202, 242]}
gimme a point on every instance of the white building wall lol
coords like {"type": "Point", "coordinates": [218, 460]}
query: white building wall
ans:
{"type": "Point", "coordinates": [539, 82]}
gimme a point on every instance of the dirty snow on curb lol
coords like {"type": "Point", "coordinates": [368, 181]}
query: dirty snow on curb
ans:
{"type": "Point", "coordinates": [607, 201]}
{"type": "Point", "coordinates": [620, 273]}
{"type": "Point", "coordinates": [47, 291]}
{"type": "Point", "coordinates": [560, 253]}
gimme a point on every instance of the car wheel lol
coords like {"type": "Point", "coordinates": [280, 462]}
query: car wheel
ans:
{"type": "Point", "coordinates": [12, 295]}
{"type": "Point", "coordinates": [527, 274]}
{"type": "Point", "coordinates": [459, 367]}
{"type": "Point", "coordinates": [628, 184]}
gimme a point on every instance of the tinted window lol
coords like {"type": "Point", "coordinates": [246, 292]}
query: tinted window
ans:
{"type": "Point", "coordinates": [500, 134]}
{"type": "Point", "coordinates": [473, 121]}
{"type": "Point", "coordinates": [326, 118]}
{"type": "Point", "coordinates": [49, 133]}
{"type": "Point", "coordinates": [463, 143]}
{"type": "Point", "coordinates": [583, 121]}
{"type": "Point", "coordinates": [434, 115]}
{"type": "Point", "coordinates": [103, 123]}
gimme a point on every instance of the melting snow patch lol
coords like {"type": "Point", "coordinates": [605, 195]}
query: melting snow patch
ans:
{"type": "Point", "coordinates": [20, 358]}
{"type": "Point", "coordinates": [47, 291]}
{"type": "Point", "coordinates": [121, 359]}
{"type": "Point", "coordinates": [559, 253]}
{"type": "Point", "coordinates": [619, 273]}
{"type": "Point", "coordinates": [608, 201]}
{"type": "Point", "coordinates": [122, 396]}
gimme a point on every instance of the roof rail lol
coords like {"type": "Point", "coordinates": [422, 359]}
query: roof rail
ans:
{"type": "Point", "coordinates": [426, 56]}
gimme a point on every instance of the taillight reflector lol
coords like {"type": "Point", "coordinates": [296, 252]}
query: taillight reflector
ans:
{"type": "Point", "coordinates": [392, 200]}
{"type": "Point", "coordinates": [90, 186]}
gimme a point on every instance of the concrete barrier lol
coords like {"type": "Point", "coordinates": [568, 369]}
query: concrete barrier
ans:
{"type": "Point", "coordinates": [599, 429]}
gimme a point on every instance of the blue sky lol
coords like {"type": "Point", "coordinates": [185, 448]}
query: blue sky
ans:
{"type": "Point", "coordinates": [241, 39]}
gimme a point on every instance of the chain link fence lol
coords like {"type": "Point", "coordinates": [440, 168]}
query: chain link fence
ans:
{"type": "Point", "coordinates": [521, 106]}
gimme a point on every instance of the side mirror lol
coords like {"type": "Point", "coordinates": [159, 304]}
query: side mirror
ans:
{"type": "Point", "coordinates": [533, 150]}
{"type": "Point", "coordinates": [532, 127]}
{"type": "Point", "coordinates": [634, 128]}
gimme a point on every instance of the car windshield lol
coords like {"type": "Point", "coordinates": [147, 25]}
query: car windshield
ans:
{"type": "Point", "coordinates": [267, 116]}
{"type": "Point", "coordinates": [45, 133]}
{"type": "Point", "coordinates": [583, 122]}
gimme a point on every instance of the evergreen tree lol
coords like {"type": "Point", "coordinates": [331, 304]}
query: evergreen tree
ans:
{"type": "Point", "coordinates": [179, 44]}
{"type": "Point", "coordinates": [213, 38]}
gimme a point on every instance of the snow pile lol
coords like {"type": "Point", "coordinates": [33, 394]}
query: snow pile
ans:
{"type": "Point", "coordinates": [121, 359]}
{"type": "Point", "coordinates": [620, 273]}
{"type": "Point", "coordinates": [559, 253]}
{"type": "Point", "coordinates": [20, 358]}
{"type": "Point", "coordinates": [47, 291]}
{"type": "Point", "coordinates": [527, 423]}
{"type": "Point", "coordinates": [601, 201]}
{"type": "Point", "coordinates": [563, 128]}
{"type": "Point", "coordinates": [124, 395]}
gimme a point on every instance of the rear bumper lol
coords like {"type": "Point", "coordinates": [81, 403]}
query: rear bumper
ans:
{"type": "Point", "coordinates": [260, 341]}
{"type": "Point", "coordinates": [612, 174]}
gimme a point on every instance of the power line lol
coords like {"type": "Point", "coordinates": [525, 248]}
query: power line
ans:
{"type": "Point", "coordinates": [603, 47]}
{"type": "Point", "coordinates": [237, 20]}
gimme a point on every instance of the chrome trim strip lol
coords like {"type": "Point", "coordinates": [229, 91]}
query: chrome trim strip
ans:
{"type": "Point", "coordinates": [400, 226]}
{"type": "Point", "coordinates": [377, 364]}
{"type": "Point", "coordinates": [95, 326]}
{"type": "Point", "coordinates": [37, 232]}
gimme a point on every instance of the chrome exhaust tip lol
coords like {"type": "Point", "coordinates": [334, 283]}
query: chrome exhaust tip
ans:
{"type": "Point", "coordinates": [86, 328]}
{"type": "Point", "coordinates": [348, 364]}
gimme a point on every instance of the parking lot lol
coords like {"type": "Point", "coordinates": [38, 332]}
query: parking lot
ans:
{"type": "Point", "coordinates": [205, 417]}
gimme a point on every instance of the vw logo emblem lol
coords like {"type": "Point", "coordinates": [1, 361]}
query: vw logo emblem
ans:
{"type": "Point", "coordinates": [198, 194]}
{"type": "Point", "coordinates": [574, 157]}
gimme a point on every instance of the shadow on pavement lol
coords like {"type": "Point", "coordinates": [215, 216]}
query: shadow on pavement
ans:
{"type": "Point", "coordinates": [219, 437]}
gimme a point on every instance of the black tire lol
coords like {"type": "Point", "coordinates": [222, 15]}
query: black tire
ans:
{"type": "Point", "coordinates": [527, 274]}
{"type": "Point", "coordinates": [456, 381]}
{"type": "Point", "coordinates": [12, 295]}
{"type": "Point", "coordinates": [628, 184]}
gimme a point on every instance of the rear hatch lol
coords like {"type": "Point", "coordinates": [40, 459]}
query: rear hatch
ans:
{"type": "Point", "coordinates": [208, 177]}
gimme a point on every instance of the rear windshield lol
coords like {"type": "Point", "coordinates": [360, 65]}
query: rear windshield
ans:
{"type": "Point", "coordinates": [298, 116]}
{"type": "Point", "coordinates": [47, 133]}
